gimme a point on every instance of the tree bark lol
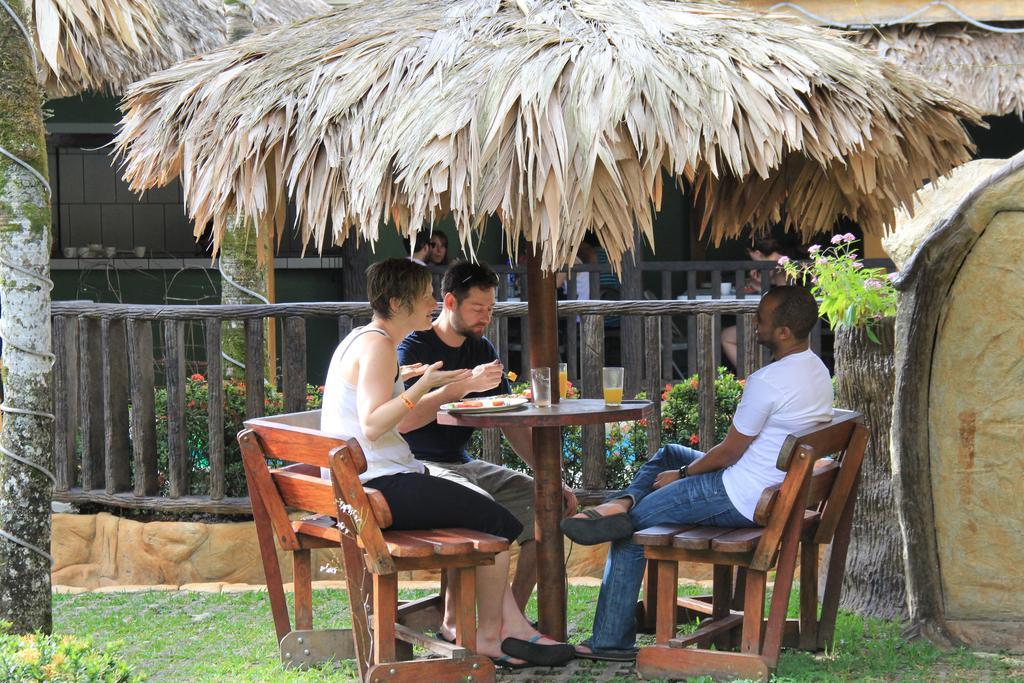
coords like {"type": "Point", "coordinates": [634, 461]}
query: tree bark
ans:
{"type": "Point", "coordinates": [240, 270]}
{"type": "Point", "coordinates": [242, 265]}
{"type": "Point", "coordinates": [865, 376]}
{"type": "Point", "coordinates": [356, 257]}
{"type": "Point", "coordinates": [26, 437]}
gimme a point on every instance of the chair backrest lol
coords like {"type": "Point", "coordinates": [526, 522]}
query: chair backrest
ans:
{"type": "Point", "coordinates": [291, 438]}
{"type": "Point", "coordinates": [811, 482]}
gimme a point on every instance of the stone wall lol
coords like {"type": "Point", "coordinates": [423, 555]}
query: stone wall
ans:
{"type": "Point", "coordinates": [97, 551]}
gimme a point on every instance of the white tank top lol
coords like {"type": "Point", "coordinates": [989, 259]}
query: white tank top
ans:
{"type": "Point", "coordinates": [389, 454]}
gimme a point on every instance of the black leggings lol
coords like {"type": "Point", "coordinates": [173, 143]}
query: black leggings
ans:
{"type": "Point", "coordinates": [420, 501]}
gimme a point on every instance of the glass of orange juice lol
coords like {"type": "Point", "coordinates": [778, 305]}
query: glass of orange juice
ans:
{"type": "Point", "coordinates": [563, 380]}
{"type": "Point", "coordinates": [612, 382]}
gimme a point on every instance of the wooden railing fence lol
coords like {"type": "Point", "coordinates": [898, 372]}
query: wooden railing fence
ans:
{"type": "Point", "coordinates": [111, 359]}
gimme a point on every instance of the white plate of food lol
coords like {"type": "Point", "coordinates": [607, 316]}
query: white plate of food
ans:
{"type": "Point", "coordinates": [488, 404]}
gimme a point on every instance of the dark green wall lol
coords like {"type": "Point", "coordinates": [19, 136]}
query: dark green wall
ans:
{"type": "Point", "coordinates": [83, 109]}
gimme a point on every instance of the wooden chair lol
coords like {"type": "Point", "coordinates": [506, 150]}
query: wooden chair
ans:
{"type": "Point", "coordinates": [813, 506]}
{"type": "Point", "coordinates": [342, 512]}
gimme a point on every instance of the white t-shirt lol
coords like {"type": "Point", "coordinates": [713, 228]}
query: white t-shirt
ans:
{"type": "Point", "coordinates": [785, 397]}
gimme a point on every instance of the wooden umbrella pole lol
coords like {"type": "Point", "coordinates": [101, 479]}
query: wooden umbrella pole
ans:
{"type": "Point", "coordinates": [542, 319]}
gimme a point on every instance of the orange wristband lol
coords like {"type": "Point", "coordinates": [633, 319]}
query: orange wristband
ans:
{"type": "Point", "coordinates": [405, 399]}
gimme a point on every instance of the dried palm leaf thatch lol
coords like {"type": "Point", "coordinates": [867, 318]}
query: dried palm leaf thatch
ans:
{"type": "Point", "coordinates": [973, 65]}
{"type": "Point", "coordinates": [558, 116]}
{"type": "Point", "coordinates": [104, 45]}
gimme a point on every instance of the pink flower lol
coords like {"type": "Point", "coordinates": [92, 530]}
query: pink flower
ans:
{"type": "Point", "coordinates": [836, 239]}
{"type": "Point", "coordinates": [783, 260]}
{"type": "Point", "coordinates": [821, 260]}
{"type": "Point", "coordinates": [872, 284]}
{"type": "Point", "coordinates": [858, 265]}
{"type": "Point", "coordinates": [891, 277]}
{"type": "Point", "coordinates": [814, 249]}
{"type": "Point", "coordinates": [848, 237]}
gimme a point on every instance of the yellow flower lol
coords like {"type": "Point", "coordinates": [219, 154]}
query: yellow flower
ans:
{"type": "Point", "coordinates": [57, 659]}
{"type": "Point", "coordinates": [29, 655]}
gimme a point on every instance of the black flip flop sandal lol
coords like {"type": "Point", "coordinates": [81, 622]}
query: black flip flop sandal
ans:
{"type": "Point", "coordinates": [538, 654]}
{"type": "Point", "coordinates": [606, 655]}
{"type": "Point", "coordinates": [597, 528]}
{"type": "Point", "coordinates": [505, 663]}
{"type": "Point", "coordinates": [609, 655]}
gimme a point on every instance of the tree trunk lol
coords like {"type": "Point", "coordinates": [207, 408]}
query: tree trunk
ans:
{"type": "Point", "coordinates": [243, 281]}
{"type": "Point", "coordinates": [874, 582]}
{"type": "Point", "coordinates": [242, 266]}
{"type": "Point", "coordinates": [356, 258]}
{"type": "Point", "coordinates": [26, 436]}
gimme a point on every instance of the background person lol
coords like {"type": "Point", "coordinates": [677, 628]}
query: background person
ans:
{"type": "Point", "coordinates": [438, 254]}
{"type": "Point", "coordinates": [364, 397]}
{"type": "Point", "coordinates": [420, 248]}
{"type": "Point", "coordinates": [762, 250]}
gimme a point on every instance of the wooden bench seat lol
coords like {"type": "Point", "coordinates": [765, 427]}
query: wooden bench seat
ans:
{"type": "Point", "coordinates": [344, 514]}
{"type": "Point", "coordinates": [812, 506]}
{"type": "Point", "coordinates": [712, 538]}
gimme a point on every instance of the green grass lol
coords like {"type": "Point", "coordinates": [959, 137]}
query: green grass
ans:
{"type": "Point", "coordinates": [178, 636]}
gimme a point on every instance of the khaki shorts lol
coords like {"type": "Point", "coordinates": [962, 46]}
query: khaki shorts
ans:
{"type": "Point", "coordinates": [510, 489]}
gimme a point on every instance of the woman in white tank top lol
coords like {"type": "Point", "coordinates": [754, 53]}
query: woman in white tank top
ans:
{"type": "Point", "coordinates": [364, 397]}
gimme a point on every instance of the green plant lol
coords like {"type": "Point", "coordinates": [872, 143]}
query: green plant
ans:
{"type": "Point", "coordinates": [41, 657]}
{"type": "Point", "coordinates": [197, 426]}
{"type": "Point", "coordinates": [680, 409]}
{"type": "Point", "coordinates": [850, 294]}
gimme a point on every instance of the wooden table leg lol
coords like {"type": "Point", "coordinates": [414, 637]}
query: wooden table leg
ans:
{"type": "Point", "coordinates": [547, 482]}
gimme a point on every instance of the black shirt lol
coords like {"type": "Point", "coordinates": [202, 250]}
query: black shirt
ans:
{"type": "Point", "coordinates": [442, 443]}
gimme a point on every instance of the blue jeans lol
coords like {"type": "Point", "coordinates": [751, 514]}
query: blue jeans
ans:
{"type": "Point", "coordinates": [700, 499]}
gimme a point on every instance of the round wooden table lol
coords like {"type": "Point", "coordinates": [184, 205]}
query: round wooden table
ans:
{"type": "Point", "coordinates": [547, 426]}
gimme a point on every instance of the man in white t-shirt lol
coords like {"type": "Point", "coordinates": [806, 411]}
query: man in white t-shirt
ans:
{"type": "Point", "coordinates": [719, 488]}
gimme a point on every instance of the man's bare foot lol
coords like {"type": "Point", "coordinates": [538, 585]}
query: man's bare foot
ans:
{"type": "Point", "coordinates": [612, 507]}
{"type": "Point", "coordinates": [601, 524]}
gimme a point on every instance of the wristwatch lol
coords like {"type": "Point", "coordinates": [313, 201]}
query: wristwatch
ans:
{"type": "Point", "coordinates": [682, 471]}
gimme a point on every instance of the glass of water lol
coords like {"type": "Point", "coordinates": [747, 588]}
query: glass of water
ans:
{"type": "Point", "coordinates": [540, 380]}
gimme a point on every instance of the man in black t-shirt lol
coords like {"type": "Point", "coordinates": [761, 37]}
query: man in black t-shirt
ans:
{"type": "Point", "coordinates": [456, 338]}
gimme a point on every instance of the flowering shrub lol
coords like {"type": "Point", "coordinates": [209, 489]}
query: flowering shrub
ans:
{"type": "Point", "coordinates": [851, 295]}
{"type": "Point", "coordinates": [197, 428]}
{"type": "Point", "coordinates": [39, 657]}
{"type": "Point", "coordinates": [680, 406]}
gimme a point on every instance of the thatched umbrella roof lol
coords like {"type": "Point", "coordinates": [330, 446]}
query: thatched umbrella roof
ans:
{"type": "Point", "coordinates": [109, 44]}
{"type": "Point", "coordinates": [982, 67]}
{"type": "Point", "coordinates": [559, 116]}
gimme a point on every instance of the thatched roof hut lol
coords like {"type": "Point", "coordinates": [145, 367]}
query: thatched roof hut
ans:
{"type": "Point", "coordinates": [105, 46]}
{"type": "Point", "coordinates": [974, 65]}
{"type": "Point", "coordinates": [559, 117]}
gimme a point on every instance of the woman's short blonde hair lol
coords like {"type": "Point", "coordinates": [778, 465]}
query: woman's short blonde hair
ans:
{"type": "Point", "coordinates": [395, 278]}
